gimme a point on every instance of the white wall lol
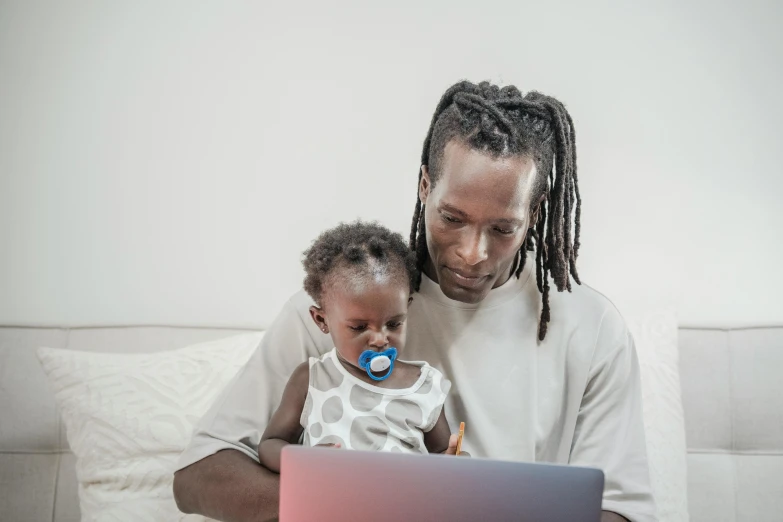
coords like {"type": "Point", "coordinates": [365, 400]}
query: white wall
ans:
{"type": "Point", "coordinates": [167, 162]}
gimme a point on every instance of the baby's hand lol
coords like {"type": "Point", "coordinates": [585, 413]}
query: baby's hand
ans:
{"type": "Point", "coordinates": [329, 445]}
{"type": "Point", "coordinates": [452, 449]}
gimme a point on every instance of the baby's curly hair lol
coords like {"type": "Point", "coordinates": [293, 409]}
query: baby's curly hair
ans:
{"type": "Point", "coordinates": [356, 245]}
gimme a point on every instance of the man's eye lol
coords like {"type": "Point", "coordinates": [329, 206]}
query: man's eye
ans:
{"type": "Point", "coordinates": [504, 231]}
{"type": "Point", "coordinates": [360, 328]}
{"type": "Point", "coordinates": [451, 219]}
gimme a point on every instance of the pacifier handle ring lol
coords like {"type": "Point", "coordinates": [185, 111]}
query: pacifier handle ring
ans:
{"type": "Point", "coordinates": [367, 356]}
{"type": "Point", "coordinates": [382, 377]}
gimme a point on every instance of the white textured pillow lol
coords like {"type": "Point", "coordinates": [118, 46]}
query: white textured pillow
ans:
{"type": "Point", "coordinates": [129, 416]}
{"type": "Point", "coordinates": [655, 335]}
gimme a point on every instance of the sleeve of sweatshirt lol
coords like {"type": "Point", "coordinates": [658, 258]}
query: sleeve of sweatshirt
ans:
{"type": "Point", "coordinates": [610, 429]}
{"type": "Point", "coordinates": [239, 416]}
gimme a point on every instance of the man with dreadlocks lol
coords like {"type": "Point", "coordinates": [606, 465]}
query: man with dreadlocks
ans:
{"type": "Point", "coordinates": [537, 375]}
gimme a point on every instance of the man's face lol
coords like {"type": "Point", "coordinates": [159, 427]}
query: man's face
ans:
{"type": "Point", "coordinates": [477, 215]}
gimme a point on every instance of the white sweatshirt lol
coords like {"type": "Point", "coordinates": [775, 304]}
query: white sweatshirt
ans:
{"type": "Point", "coordinates": [574, 398]}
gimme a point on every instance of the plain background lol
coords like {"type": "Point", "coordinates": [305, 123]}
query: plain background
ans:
{"type": "Point", "coordinates": [168, 162]}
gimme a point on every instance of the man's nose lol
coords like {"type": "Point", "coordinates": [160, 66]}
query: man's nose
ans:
{"type": "Point", "coordinates": [472, 248]}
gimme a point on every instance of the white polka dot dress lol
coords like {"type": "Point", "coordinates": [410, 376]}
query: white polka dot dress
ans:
{"type": "Point", "coordinates": [341, 408]}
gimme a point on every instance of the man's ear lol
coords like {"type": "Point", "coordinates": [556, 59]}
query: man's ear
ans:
{"type": "Point", "coordinates": [424, 185]}
{"type": "Point", "coordinates": [536, 211]}
{"type": "Point", "coordinates": [319, 316]}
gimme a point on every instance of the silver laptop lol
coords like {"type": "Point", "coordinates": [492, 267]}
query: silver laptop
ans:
{"type": "Point", "coordinates": [331, 485]}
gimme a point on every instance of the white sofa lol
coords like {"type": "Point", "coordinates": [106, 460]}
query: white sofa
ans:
{"type": "Point", "coordinates": [732, 397]}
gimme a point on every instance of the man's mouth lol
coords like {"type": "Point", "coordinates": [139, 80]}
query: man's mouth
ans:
{"type": "Point", "coordinates": [466, 279]}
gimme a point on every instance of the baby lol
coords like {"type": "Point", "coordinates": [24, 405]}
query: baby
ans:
{"type": "Point", "coordinates": [359, 395]}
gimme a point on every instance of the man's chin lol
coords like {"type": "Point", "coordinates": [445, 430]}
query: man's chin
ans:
{"type": "Point", "coordinates": [464, 295]}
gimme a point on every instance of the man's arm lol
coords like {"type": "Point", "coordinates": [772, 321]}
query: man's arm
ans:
{"type": "Point", "coordinates": [609, 431]}
{"type": "Point", "coordinates": [228, 486]}
{"type": "Point", "coordinates": [219, 475]}
{"type": "Point", "coordinates": [608, 516]}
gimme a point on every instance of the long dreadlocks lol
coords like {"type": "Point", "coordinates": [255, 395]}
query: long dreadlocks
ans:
{"type": "Point", "coordinates": [502, 123]}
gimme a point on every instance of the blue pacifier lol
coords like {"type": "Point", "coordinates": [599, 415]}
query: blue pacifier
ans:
{"type": "Point", "coordinates": [377, 362]}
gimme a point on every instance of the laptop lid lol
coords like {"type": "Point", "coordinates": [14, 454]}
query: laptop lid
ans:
{"type": "Point", "coordinates": [331, 485]}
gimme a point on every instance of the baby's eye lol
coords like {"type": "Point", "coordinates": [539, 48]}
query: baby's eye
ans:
{"type": "Point", "coordinates": [394, 325]}
{"type": "Point", "coordinates": [359, 328]}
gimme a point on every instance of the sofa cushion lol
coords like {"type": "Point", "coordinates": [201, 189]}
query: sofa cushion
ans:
{"type": "Point", "coordinates": [704, 376]}
{"type": "Point", "coordinates": [757, 408]}
{"type": "Point", "coordinates": [27, 483]}
{"type": "Point", "coordinates": [733, 399]}
{"type": "Point", "coordinates": [66, 498]}
{"type": "Point", "coordinates": [30, 418]}
{"type": "Point", "coordinates": [711, 487]}
{"type": "Point", "coordinates": [759, 487]}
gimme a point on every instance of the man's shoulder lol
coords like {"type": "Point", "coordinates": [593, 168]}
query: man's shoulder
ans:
{"type": "Point", "coordinates": [294, 325]}
{"type": "Point", "coordinates": [583, 301]}
{"type": "Point", "coordinates": [300, 302]}
{"type": "Point", "coordinates": [297, 306]}
{"type": "Point", "coordinates": [295, 313]}
{"type": "Point", "coordinates": [588, 309]}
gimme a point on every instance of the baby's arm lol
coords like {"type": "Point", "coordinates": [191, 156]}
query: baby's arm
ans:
{"type": "Point", "coordinates": [284, 427]}
{"type": "Point", "coordinates": [439, 439]}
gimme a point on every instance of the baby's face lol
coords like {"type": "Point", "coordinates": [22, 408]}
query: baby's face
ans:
{"type": "Point", "coordinates": [370, 314]}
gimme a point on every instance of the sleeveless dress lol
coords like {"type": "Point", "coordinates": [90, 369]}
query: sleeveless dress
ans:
{"type": "Point", "coordinates": [340, 408]}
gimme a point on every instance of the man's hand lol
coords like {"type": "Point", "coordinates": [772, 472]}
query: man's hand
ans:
{"type": "Point", "coordinates": [608, 516]}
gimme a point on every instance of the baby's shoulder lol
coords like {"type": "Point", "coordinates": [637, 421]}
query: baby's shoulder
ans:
{"type": "Point", "coordinates": [300, 377]}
